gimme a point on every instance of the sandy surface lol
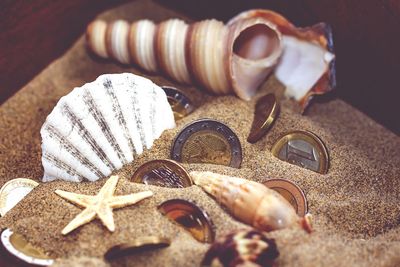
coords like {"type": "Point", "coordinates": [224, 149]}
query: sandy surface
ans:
{"type": "Point", "coordinates": [356, 206]}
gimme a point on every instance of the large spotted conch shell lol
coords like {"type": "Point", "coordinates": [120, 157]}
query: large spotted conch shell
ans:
{"type": "Point", "coordinates": [236, 57]}
{"type": "Point", "coordinates": [251, 202]}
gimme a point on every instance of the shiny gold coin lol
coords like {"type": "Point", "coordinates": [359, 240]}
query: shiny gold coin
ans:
{"type": "Point", "coordinates": [291, 192]}
{"type": "Point", "coordinates": [207, 141]}
{"type": "Point", "coordinates": [192, 218]}
{"type": "Point", "coordinates": [17, 246]}
{"type": "Point", "coordinates": [181, 104]}
{"type": "Point", "coordinates": [265, 113]}
{"type": "Point", "coordinates": [303, 149]}
{"type": "Point", "coordinates": [162, 172]}
{"type": "Point", "coordinates": [138, 245]}
{"type": "Point", "coordinates": [13, 192]}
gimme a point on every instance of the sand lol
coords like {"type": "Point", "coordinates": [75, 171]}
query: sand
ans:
{"type": "Point", "coordinates": [355, 207]}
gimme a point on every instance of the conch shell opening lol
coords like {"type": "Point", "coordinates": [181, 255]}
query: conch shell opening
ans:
{"type": "Point", "coordinates": [256, 48]}
{"type": "Point", "coordinates": [307, 65]}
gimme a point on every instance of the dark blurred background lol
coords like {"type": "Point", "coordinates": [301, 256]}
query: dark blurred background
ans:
{"type": "Point", "coordinates": [366, 35]}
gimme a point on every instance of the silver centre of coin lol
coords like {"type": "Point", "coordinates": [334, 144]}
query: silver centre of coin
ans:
{"type": "Point", "coordinates": [301, 153]}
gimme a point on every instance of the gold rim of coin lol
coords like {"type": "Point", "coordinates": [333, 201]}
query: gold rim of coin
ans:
{"type": "Point", "coordinates": [207, 141]}
{"type": "Point", "coordinates": [180, 103]}
{"type": "Point", "coordinates": [162, 172]}
{"type": "Point", "coordinates": [191, 217]}
{"type": "Point", "coordinates": [139, 244]}
{"type": "Point", "coordinates": [309, 138]}
{"type": "Point", "coordinates": [10, 186]}
{"type": "Point", "coordinates": [296, 194]}
{"type": "Point", "coordinates": [16, 245]}
{"type": "Point", "coordinates": [265, 113]}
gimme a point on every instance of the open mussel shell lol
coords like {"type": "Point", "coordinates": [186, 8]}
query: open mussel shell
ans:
{"type": "Point", "coordinates": [140, 244]}
{"type": "Point", "coordinates": [22, 251]}
{"type": "Point", "coordinates": [190, 217]}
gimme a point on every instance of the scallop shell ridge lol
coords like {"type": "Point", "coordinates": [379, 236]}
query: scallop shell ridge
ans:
{"type": "Point", "coordinates": [101, 126]}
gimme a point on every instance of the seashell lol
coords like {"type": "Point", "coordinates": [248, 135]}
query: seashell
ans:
{"type": "Point", "coordinates": [307, 65]}
{"type": "Point", "coordinates": [251, 202]}
{"type": "Point", "coordinates": [224, 59]}
{"type": "Point", "coordinates": [242, 248]}
{"type": "Point", "coordinates": [103, 125]}
{"type": "Point", "coordinates": [191, 217]}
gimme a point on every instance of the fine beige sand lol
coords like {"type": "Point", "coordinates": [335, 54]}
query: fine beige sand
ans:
{"type": "Point", "coordinates": [355, 207]}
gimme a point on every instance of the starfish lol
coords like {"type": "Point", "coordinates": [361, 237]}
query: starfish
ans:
{"type": "Point", "coordinates": [101, 205]}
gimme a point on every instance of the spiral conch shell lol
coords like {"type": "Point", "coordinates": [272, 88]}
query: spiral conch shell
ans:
{"type": "Point", "coordinates": [221, 58]}
{"type": "Point", "coordinates": [251, 202]}
{"type": "Point", "coordinates": [236, 57]}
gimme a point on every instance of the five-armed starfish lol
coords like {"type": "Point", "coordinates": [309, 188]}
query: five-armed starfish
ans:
{"type": "Point", "coordinates": [101, 205]}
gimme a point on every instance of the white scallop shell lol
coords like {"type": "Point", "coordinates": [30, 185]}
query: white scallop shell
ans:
{"type": "Point", "coordinates": [103, 125]}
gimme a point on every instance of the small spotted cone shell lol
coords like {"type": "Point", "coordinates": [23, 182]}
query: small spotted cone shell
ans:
{"type": "Point", "coordinates": [251, 202]}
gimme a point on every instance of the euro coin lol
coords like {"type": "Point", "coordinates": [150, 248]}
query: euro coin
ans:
{"type": "Point", "coordinates": [180, 103]}
{"type": "Point", "coordinates": [162, 172]}
{"type": "Point", "coordinates": [303, 149]}
{"type": "Point", "coordinates": [266, 112]}
{"type": "Point", "coordinates": [207, 141]}
{"type": "Point", "coordinates": [291, 192]}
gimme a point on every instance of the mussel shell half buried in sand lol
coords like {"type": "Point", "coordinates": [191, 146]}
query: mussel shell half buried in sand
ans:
{"type": "Point", "coordinates": [307, 65]}
{"type": "Point", "coordinates": [103, 125]}
{"type": "Point", "coordinates": [223, 59]}
{"type": "Point", "coordinates": [191, 217]}
{"type": "Point", "coordinates": [251, 202]}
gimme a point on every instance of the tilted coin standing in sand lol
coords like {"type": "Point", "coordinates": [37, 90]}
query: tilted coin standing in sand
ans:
{"type": "Point", "coordinates": [207, 141]}
{"type": "Point", "coordinates": [13, 192]}
{"type": "Point", "coordinates": [143, 243]}
{"type": "Point", "coordinates": [304, 149]}
{"type": "Point", "coordinates": [291, 192]}
{"type": "Point", "coordinates": [265, 113]}
{"type": "Point", "coordinates": [162, 172]}
{"type": "Point", "coordinates": [181, 104]}
{"type": "Point", "coordinates": [16, 245]}
{"type": "Point", "coordinates": [191, 217]}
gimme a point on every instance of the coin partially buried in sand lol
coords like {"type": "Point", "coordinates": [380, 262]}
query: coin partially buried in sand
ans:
{"type": "Point", "coordinates": [13, 192]}
{"type": "Point", "coordinates": [207, 141]}
{"type": "Point", "coordinates": [138, 245]}
{"type": "Point", "coordinates": [162, 172]}
{"type": "Point", "coordinates": [291, 192]}
{"type": "Point", "coordinates": [181, 104]}
{"type": "Point", "coordinates": [265, 113]}
{"type": "Point", "coordinates": [16, 245]}
{"type": "Point", "coordinates": [191, 217]}
{"type": "Point", "coordinates": [304, 149]}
